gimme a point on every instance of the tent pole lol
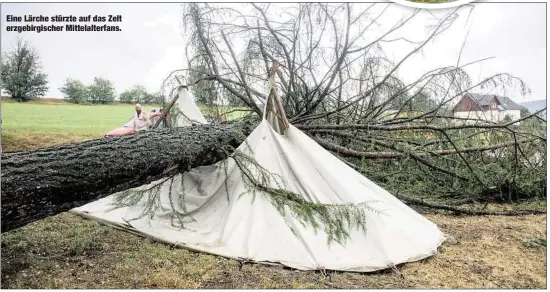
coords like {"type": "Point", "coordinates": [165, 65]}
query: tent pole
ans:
{"type": "Point", "coordinates": [169, 106]}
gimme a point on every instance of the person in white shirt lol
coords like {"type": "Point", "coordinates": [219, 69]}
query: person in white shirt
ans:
{"type": "Point", "coordinates": [141, 120]}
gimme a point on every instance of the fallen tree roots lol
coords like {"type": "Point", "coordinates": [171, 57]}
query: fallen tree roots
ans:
{"type": "Point", "coordinates": [45, 182]}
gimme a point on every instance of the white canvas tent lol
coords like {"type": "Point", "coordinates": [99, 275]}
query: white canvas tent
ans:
{"type": "Point", "coordinates": [188, 111]}
{"type": "Point", "coordinates": [226, 216]}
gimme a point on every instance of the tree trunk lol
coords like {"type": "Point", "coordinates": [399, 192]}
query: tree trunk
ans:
{"type": "Point", "coordinates": [41, 183]}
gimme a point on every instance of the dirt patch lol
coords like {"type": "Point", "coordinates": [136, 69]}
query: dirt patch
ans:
{"type": "Point", "coordinates": [66, 251]}
{"type": "Point", "coordinates": [485, 252]}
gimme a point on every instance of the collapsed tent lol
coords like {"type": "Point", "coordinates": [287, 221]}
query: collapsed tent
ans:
{"type": "Point", "coordinates": [281, 198]}
{"type": "Point", "coordinates": [186, 110]}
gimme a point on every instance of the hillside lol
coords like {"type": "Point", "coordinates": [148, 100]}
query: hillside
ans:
{"type": "Point", "coordinates": [536, 105]}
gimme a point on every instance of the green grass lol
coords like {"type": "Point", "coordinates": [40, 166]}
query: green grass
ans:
{"type": "Point", "coordinates": [27, 126]}
{"type": "Point", "coordinates": [78, 119]}
{"type": "Point", "coordinates": [31, 125]}
{"type": "Point", "coordinates": [64, 118]}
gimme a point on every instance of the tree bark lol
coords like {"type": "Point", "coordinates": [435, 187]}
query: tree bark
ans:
{"type": "Point", "coordinates": [41, 183]}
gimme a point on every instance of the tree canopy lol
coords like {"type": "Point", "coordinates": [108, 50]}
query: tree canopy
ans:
{"type": "Point", "coordinates": [74, 90]}
{"type": "Point", "coordinates": [101, 91]}
{"type": "Point", "coordinates": [22, 75]}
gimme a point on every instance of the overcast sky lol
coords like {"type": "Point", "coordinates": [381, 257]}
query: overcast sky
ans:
{"type": "Point", "coordinates": [151, 44]}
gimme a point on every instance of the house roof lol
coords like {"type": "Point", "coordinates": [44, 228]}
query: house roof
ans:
{"type": "Point", "coordinates": [485, 99]}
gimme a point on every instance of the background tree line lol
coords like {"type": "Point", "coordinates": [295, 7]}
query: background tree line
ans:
{"type": "Point", "coordinates": [23, 78]}
{"type": "Point", "coordinates": [102, 91]}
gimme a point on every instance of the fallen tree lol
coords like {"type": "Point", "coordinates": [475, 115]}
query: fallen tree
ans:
{"type": "Point", "coordinates": [347, 96]}
{"type": "Point", "coordinates": [41, 183]}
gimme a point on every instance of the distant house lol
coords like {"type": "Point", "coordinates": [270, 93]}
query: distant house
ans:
{"type": "Point", "coordinates": [489, 107]}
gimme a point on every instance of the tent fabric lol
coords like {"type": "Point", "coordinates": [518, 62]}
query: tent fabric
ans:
{"type": "Point", "coordinates": [230, 221]}
{"type": "Point", "coordinates": [189, 111]}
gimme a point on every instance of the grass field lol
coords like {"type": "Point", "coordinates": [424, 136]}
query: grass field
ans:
{"type": "Point", "coordinates": [67, 251]}
{"type": "Point", "coordinates": [27, 126]}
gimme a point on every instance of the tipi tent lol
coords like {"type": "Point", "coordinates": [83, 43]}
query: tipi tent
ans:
{"type": "Point", "coordinates": [281, 198]}
{"type": "Point", "coordinates": [187, 111]}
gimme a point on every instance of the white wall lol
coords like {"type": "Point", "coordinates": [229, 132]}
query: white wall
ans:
{"type": "Point", "coordinates": [514, 114]}
{"type": "Point", "coordinates": [492, 115]}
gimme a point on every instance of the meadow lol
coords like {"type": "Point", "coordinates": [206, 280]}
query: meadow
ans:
{"type": "Point", "coordinates": [27, 126]}
{"type": "Point", "coordinates": [67, 251]}
{"type": "Point", "coordinates": [33, 125]}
